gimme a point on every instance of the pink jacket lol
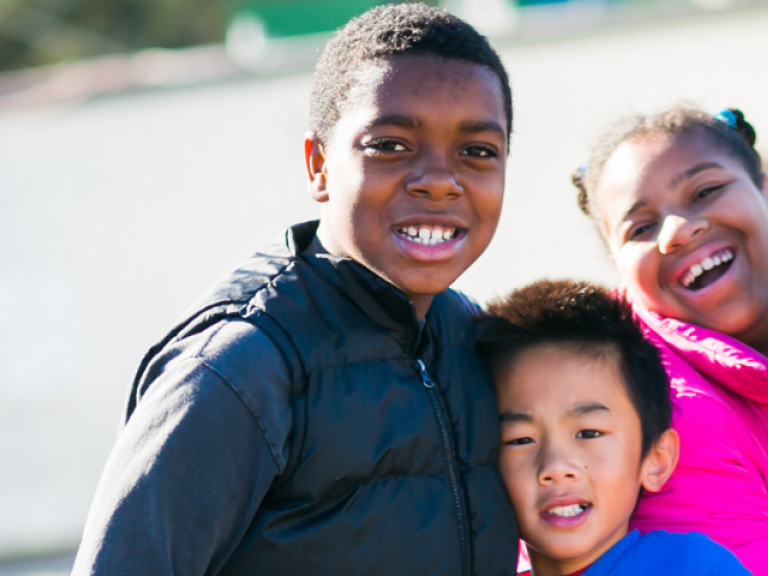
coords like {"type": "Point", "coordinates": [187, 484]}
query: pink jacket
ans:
{"type": "Point", "coordinates": [720, 409]}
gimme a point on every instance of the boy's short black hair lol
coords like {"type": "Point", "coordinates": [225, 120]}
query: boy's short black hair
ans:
{"type": "Point", "coordinates": [387, 31]}
{"type": "Point", "coordinates": [589, 320]}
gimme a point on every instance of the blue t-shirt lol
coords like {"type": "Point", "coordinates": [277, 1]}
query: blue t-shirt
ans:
{"type": "Point", "coordinates": [661, 552]}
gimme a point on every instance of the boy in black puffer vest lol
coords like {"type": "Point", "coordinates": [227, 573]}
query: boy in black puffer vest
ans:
{"type": "Point", "coordinates": [322, 410]}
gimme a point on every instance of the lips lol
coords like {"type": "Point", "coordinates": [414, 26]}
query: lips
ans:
{"type": "Point", "coordinates": [565, 512]}
{"type": "Point", "coordinates": [707, 270]}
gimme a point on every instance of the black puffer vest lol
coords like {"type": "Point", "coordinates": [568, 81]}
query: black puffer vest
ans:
{"type": "Point", "coordinates": [392, 457]}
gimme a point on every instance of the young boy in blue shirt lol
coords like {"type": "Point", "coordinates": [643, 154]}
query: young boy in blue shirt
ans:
{"type": "Point", "coordinates": [585, 420]}
{"type": "Point", "coordinates": [323, 409]}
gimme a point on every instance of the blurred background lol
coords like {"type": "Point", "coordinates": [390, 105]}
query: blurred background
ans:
{"type": "Point", "coordinates": [146, 147]}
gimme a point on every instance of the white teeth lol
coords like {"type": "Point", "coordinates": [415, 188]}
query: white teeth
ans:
{"type": "Point", "coordinates": [707, 263]}
{"type": "Point", "coordinates": [427, 235]}
{"type": "Point", "coordinates": [567, 511]}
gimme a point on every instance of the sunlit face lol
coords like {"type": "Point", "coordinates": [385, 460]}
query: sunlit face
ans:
{"type": "Point", "coordinates": [570, 454]}
{"type": "Point", "coordinates": [412, 178]}
{"type": "Point", "coordinates": [688, 230]}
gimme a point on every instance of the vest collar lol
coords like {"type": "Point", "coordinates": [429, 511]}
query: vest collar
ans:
{"type": "Point", "coordinates": [381, 301]}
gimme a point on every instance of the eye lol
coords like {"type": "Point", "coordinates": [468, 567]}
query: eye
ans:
{"type": "Point", "coordinates": [638, 231]}
{"type": "Point", "coordinates": [385, 145]}
{"type": "Point", "coordinates": [588, 434]}
{"type": "Point", "coordinates": [707, 191]}
{"type": "Point", "coordinates": [480, 151]}
{"type": "Point", "coordinates": [520, 441]}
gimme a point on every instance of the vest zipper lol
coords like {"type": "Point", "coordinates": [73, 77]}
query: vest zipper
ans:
{"type": "Point", "coordinates": [429, 384]}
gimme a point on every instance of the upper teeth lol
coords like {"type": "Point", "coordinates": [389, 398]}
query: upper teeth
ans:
{"type": "Point", "coordinates": [427, 235]}
{"type": "Point", "coordinates": [706, 264]}
{"type": "Point", "coordinates": [572, 510]}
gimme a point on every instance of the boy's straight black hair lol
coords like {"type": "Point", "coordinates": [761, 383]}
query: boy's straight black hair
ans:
{"type": "Point", "coordinates": [387, 31]}
{"type": "Point", "coordinates": [588, 320]}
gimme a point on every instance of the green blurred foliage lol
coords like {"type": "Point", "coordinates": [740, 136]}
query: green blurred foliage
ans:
{"type": "Point", "coordinates": [38, 32]}
{"type": "Point", "coordinates": [293, 17]}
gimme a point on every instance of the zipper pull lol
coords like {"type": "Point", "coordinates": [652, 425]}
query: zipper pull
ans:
{"type": "Point", "coordinates": [425, 379]}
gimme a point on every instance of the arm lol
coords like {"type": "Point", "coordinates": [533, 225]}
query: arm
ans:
{"type": "Point", "coordinates": [193, 463]}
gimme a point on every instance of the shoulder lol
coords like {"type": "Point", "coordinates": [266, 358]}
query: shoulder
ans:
{"type": "Point", "coordinates": [690, 553]}
{"type": "Point", "coordinates": [232, 357]}
{"type": "Point", "coordinates": [461, 304]}
{"type": "Point", "coordinates": [452, 316]}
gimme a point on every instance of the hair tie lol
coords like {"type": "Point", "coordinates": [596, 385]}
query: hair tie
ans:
{"type": "Point", "coordinates": [735, 119]}
{"type": "Point", "coordinates": [578, 180]}
{"type": "Point", "coordinates": [727, 117]}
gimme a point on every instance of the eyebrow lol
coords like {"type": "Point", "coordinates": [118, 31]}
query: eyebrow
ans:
{"type": "Point", "coordinates": [468, 127]}
{"type": "Point", "coordinates": [587, 408]}
{"type": "Point", "coordinates": [636, 206]}
{"type": "Point", "coordinates": [396, 120]}
{"type": "Point", "coordinates": [691, 172]}
{"type": "Point", "coordinates": [474, 126]}
{"type": "Point", "coordinates": [513, 417]}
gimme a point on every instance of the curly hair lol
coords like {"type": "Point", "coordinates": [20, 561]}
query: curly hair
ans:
{"type": "Point", "coordinates": [587, 319]}
{"type": "Point", "coordinates": [736, 139]}
{"type": "Point", "coordinates": [386, 31]}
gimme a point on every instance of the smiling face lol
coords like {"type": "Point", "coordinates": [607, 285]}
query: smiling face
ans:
{"type": "Point", "coordinates": [412, 178]}
{"type": "Point", "coordinates": [570, 454]}
{"type": "Point", "coordinates": [688, 230]}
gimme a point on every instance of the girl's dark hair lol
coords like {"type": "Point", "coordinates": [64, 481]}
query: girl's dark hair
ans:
{"type": "Point", "coordinates": [736, 137]}
{"type": "Point", "coordinates": [387, 31]}
{"type": "Point", "coordinates": [587, 319]}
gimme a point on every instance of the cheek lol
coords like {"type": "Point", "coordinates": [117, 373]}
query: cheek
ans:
{"type": "Point", "coordinates": [513, 473]}
{"type": "Point", "coordinates": [639, 268]}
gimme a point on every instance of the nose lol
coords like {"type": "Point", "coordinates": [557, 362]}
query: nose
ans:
{"type": "Point", "coordinates": [677, 231]}
{"type": "Point", "coordinates": [435, 178]}
{"type": "Point", "coordinates": [557, 467]}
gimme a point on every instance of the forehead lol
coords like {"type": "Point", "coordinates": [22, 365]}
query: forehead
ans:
{"type": "Point", "coordinates": [405, 82]}
{"type": "Point", "coordinates": [553, 378]}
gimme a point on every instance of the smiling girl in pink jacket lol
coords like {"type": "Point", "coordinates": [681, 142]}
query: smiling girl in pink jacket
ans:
{"type": "Point", "coordinates": [681, 201]}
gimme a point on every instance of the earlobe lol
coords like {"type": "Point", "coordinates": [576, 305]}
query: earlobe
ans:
{"type": "Point", "coordinates": [660, 461]}
{"type": "Point", "coordinates": [314, 159]}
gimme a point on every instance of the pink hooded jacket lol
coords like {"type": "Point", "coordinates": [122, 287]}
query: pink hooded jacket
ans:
{"type": "Point", "coordinates": [720, 410]}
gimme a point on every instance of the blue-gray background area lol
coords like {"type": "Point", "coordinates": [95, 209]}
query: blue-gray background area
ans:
{"type": "Point", "coordinates": [117, 212]}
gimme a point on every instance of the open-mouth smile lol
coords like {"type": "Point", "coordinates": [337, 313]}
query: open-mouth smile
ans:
{"type": "Point", "coordinates": [428, 235]}
{"type": "Point", "coordinates": [708, 270]}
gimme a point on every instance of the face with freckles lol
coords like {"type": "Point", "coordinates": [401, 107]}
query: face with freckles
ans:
{"type": "Point", "coordinates": [688, 230]}
{"type": "Point", "coordinates": [570, 454]}
{"type": "Point", "coordinates": [411, 180]}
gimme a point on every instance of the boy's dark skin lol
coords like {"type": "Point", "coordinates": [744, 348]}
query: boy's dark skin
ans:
{"type": "Point", "coordinates": [367, 444]}
{"type": "Point", "coordinates": [418, 174]}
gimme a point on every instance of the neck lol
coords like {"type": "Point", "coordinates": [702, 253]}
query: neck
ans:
{"type": "Point", "coordinates": [756, 338]}
{"type": "Point", "coordinates": [544, 566]}
{"type": "Point", "coordinates": [421, 303]}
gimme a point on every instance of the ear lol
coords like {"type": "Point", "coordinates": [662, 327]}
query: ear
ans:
{"type": "Point", "coordinates": [660, 461]}
{"type": "Point", "coordinates": [314, 158]}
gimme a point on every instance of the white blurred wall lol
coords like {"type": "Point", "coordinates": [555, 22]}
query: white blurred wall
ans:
{"type": "Point", "coordinates": [116, 214]}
